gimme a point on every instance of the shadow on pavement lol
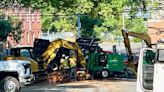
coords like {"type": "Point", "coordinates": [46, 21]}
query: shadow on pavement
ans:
{"type": "Point", "coordinates": [117, 80]}
{"type": "Point", "coordinates": [75, 86]}
{"type": "Point", "coordinates": [41, 90]}
{"type": "Point", "coordinates": [44, 87]}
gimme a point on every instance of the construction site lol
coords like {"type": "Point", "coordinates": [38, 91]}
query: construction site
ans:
{"type": "Point", "coordinates": [81, 46]}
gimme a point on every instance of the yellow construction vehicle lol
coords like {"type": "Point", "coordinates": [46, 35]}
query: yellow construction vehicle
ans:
{"type": "Point", "coordinates": [58, 47]}
{"type": "Point", "coordinates": [141, 36]}
{"type": "Point", "coordinates": [27, 53]}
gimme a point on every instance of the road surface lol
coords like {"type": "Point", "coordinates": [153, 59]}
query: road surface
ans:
{"type": "Point", "coordinates": [119, 85]}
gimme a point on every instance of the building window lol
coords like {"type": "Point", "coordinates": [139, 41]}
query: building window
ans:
{"type": "Point", "coordinates": [21, 39]}
{"type": "Point", "coordinates": [38, 17]}
{"type": "Point", "coordinates": [33, 16]}
{"type": "Point", "coordinates": [27, 18]}
{"type": "Point", "coordinates": [28, 37]}
{"type": "Point", "coordinates": [33, 35]}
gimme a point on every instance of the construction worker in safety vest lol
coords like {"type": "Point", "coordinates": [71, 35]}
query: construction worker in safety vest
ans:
{"type": "Point", "coordinates": [72, 63]}
{"type": "Point", "coordinates": [64, 62]}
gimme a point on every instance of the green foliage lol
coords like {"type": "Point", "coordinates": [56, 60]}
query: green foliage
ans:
{"type": "Point", "coordinates": [10, 27]}
{"type": "Point", "coordinates": [61, 14]}
{"type": "Point", "coordinates": [136, 40]}
{"type": "Point", "coordinates": [16, 30]}
{"type": "Point", "coordinates": [136, 25]}
{"type": "Point", "coordinates": [5, 28]}
{"type": "Point", "coordinates": [90, 25]}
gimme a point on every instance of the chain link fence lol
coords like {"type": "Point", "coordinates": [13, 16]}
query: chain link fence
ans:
{"type": "Point", "coordinates": [55, 35]}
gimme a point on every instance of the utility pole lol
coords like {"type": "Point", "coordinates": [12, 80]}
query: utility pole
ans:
{"type": "Point", "coordinates": [79, 26]}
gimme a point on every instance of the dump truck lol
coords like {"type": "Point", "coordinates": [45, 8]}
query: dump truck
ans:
{"type": "Point", "coordinates": [150, 68]}
{"type": "Point", "coordinates": [28, 53]}
{"type": "Point", "coordinates": [150, 65]}
{"type": "Point", "coordinates": [15, 74]}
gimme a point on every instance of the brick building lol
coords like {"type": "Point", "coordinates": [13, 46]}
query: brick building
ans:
{"type": "Point", "coordinates": [156, 30]}
{"type": "Point", "coordinates": [31, 25]}
{"type": "Point", "coordinates": [156, 23]}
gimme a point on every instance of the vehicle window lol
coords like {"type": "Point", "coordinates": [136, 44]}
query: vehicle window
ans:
{"type": "Point", "coordinates": [161, 55]}
{"type": "Point", "coordinates": [25, 53]}
{"type": "Point", "coordinates": [149, 57]}
{"type": "Point", "coordinates": [32, 54]}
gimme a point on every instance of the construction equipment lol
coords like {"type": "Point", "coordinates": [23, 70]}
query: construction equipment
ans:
{"type": "Point", "coordinates": [28, 53]}
{"type": "Point", "coordinates": [14, 74]}
{"type": "Point", "coordinates": [51, 58]}
{"type": "Point", "coordinates": [58, 47]}
{"type": "Point", "coordinates": [150, 68]}
{"type": "Point", "coordinates": [100, 63]}
{"type": "Point", "coordinates": [45, 54]}
{"type": "Point", "coordinates": [141, 36]}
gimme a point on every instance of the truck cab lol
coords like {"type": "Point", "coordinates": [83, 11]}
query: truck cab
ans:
{"type": "Point", "coordinates": [151, 69]}
{"type": "Point", "coordinates": [15, 74]}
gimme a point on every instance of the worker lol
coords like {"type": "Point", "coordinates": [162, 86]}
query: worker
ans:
{"type": "Point", "coordinates": [72, 63]}
{"type": "Point", "coordinates": [64, 62]}
{"type": "Point", "coordinates": [114, 49]}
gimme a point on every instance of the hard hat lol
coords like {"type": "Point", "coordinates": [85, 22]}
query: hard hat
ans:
{"type": "Point", "coordinates": [63, 55]}
{"type": "Point", "coordinates": [66, 57]}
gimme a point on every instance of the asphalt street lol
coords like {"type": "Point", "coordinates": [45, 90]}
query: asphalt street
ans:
{"type": "Point", "coordinates": [117, 85]}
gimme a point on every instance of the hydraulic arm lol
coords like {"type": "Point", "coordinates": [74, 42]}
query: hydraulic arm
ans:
{"type": "Point", "coordinates": [142, 36]}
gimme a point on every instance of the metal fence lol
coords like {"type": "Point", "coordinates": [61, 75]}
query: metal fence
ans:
{"type": "Point", "coordinates": [55, 35]}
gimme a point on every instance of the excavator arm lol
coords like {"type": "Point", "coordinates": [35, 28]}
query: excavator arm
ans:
{"type": "Point", "coordinates": [54, 46]}
{"type": "Point", "coordinates": [142, 36]}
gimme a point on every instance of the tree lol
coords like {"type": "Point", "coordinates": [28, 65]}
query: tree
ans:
{"type": "Point", "coordinates": [16, 29]}
{"type": "Point", "coordinates": [61, 14]}
{"type": "Point", "coordinates": [10, 27]}
{"type": "Point", "coordinates": [88, 24]}
{"type": "Point", "coordinates": [5, 28]}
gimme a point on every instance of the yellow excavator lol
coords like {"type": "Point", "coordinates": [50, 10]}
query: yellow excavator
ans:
{"type": "Point", "coordinates": [141, 36]}
{"type": "Point", "coordinates": [50, 55]}
{"type": "Point", "coordinates": [60, 46]}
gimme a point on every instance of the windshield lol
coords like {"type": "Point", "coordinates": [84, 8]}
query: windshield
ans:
{"type": "Point", "coordinates": [27, 53]}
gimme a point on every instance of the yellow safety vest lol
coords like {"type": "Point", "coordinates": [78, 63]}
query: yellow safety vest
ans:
{"type": "Point", "coordinates": [64, 63]}
{"type": "Point", "coordinates": [72, 62]}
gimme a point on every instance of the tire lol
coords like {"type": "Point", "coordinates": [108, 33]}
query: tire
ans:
{"type": "Point", "coordinates": [54, 67]}
{"type": "Point", "coordinates": [104, 73]}
{"type": "Point", "coordinates": [130, 73]}
{"type": "Point", "coordinates": [10, 84]}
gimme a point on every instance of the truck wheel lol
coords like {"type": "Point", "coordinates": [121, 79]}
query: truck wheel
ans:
{"type": "Point", "coordinates": [9, 84]}
{"type": "Point", "coordinates": [105, 73]}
